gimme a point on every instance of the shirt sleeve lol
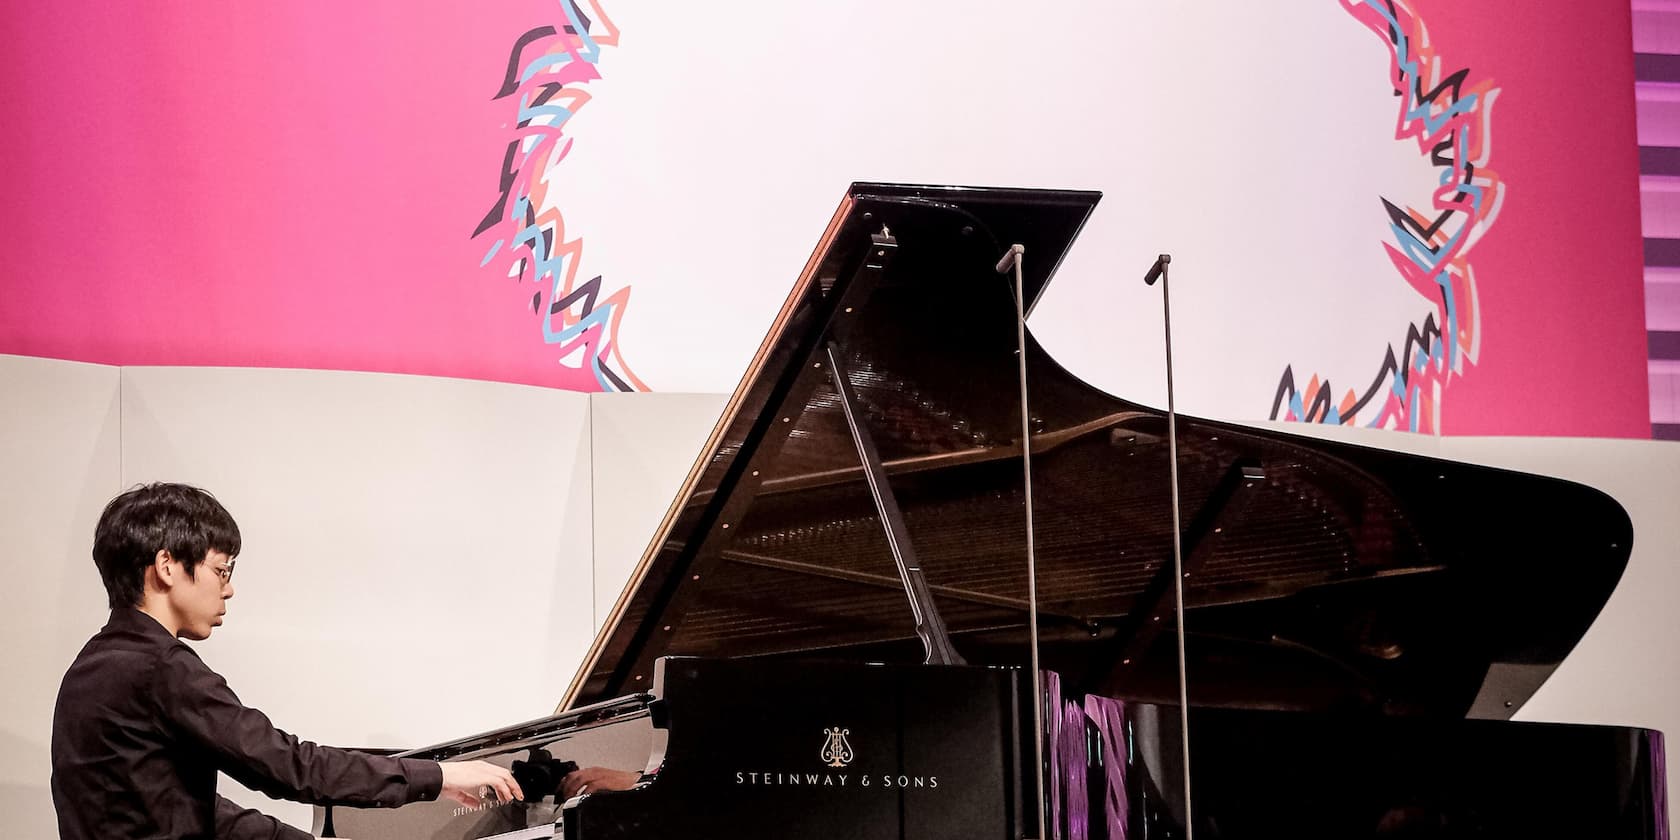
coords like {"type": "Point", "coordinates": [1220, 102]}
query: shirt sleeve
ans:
{"type": "Point", "coordinates": [198, 704]}
{"type": "Point", "coordinates": [234, 822]}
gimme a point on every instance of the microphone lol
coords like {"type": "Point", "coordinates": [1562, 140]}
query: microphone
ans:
{"type": "Point", "coordinates": [1156, 269]}
{"type": "Point", "coordinates": [1007, 261]}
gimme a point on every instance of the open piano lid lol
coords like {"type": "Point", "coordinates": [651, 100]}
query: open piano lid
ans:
{"type": "Point", "coordinates": [1323, 575]}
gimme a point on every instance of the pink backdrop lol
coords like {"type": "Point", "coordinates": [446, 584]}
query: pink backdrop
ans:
{"type": "Point", "coordinates": [283, 185]}
{"type": "Point", "coordinates": [1562, 271]}
{"type": "Point", "coordinates": [298, 185]}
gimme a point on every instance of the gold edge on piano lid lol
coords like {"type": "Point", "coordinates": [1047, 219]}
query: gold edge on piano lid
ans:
{"type": "Point", "coordinates": [703, 459]}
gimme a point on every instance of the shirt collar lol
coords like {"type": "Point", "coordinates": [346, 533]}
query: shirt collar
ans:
{"type": "Point", "coordinates": [133, 620]}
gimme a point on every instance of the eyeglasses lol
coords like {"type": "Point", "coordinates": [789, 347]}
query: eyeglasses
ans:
{"type": "Point", "coordinates": [224, 572]}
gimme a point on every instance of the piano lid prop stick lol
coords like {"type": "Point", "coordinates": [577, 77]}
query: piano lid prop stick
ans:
{"type": "Point", "coordinates": [1159, 271]}
{"type": "Point", "coordinates": [1012, 259]}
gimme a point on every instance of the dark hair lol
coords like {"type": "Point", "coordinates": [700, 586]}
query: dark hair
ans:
{"type": "Point", "coordinates": [185, 521]}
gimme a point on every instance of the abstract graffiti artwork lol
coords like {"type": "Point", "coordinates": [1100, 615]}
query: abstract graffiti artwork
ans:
{"type": "Point", "coordinates": [547, 71]}
{"type": "Point", "coordinates": [411, 194]}
{"type": "Point", "coordinates": [1446, 114]}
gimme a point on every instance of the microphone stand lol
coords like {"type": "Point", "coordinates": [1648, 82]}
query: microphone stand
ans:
{"type": "Point", "coordinates": [1011, 259]}
{"type": "Point", "coordinates": [1158, 271]}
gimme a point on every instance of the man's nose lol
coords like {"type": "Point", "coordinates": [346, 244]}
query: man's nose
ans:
{"type": "Point", "coordinates": [227, 590]}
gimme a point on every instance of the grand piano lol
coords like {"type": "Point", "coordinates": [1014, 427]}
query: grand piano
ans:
{"type": "Point", "coordinates": [845, 626]}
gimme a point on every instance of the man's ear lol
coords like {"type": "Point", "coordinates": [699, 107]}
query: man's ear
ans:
{"type": "Point", "coordinates": [163, 569]}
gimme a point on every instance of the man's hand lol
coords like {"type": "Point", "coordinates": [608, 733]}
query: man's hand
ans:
{"type": "Point", "coordinates": [591, 779]}
{"type": "Point", "coordinates": [472, 782]}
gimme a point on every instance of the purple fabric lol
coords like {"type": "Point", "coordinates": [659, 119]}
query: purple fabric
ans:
{"type": "Point", "coordinates": [1109, 716]}
{"type": "Point", "coordinates": [1659, 784]}
{"type": "Point", "coordinates": [1078, 807]}
{"type": "Point", "coordinates": [1068, 761]}
{"type": "Point", "coordinates": [1060, 755]}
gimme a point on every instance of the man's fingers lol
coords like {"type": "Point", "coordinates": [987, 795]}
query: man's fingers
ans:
{"type": "Point", "coordinates": [598, 779]}
{"type": "Point", "coordinates": [507, 789]}
{"type": "Point", "coordinates": [575, 782]}
{"type": "Point", "coordinates": [474, 783]}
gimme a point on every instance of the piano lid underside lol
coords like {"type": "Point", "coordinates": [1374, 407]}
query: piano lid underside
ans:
{"type": "Point", "coordinates": [1322, 578]}
{"type": "Point", "coordinates": [1363, 576]}
{"type": "Point", "coordinates": [1102, 535]}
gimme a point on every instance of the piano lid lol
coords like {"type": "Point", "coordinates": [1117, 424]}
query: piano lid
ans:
{"type": "Point", "coordinates": [1321, 575]}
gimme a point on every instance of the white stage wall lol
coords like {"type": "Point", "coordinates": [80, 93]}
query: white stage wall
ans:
{"type": "Point", "coordinates": [59, 445]}
{"type": "Point", "coordinates": [1625, 670]}
{"type": "Point", "coordinates": [417, 550]}
{"type": "Point", "coordinates": [644, 445]}
{"type": "Point", "coordinates": [428, 558]}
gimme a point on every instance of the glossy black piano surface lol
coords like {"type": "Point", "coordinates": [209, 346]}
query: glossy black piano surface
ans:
{"type": "Point", "coordinates": [814, 749]}
{"type": "Point", "coordinates": [1358, 603]}
{"type": "Point", "coordinates": [1117, 771]}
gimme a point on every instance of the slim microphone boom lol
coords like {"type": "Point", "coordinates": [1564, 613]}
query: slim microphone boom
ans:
{"type": "Point", "coordinates": [1155, 270]}
{"type": "Point", "coordinates": [1007, 261]}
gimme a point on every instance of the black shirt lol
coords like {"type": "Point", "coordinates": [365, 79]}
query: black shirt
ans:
{"type": "Point", "coordinates": [142, 725]}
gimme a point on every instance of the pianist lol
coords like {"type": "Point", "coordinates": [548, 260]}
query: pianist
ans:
{"type": "Point", "coordinates": [142, 725]}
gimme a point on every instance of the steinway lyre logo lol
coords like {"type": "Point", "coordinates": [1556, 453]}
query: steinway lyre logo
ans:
{"type": "Point", "coordinates": [836, 752]}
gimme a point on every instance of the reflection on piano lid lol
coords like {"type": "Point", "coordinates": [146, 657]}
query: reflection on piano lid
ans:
{"type": "Point", "coordinates": [1348, 608]}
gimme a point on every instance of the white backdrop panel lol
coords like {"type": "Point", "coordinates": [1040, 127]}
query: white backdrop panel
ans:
{"type": "Point", "coordinates": [416, 558]}
{"type": "Point", "coordinates": [750, 123]}
{"type": "Point", "coordinates": [59, 443]}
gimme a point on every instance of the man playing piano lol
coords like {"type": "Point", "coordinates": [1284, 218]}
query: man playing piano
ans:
{"type": "Point", "coordinates": [142, 725]}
